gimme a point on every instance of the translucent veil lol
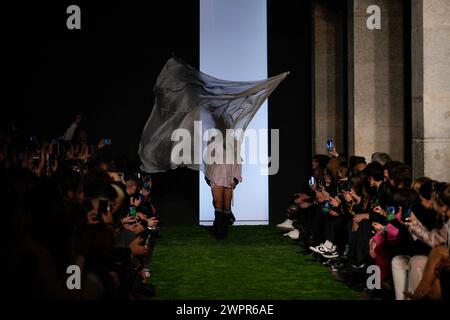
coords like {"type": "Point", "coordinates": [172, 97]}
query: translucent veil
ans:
{"type": "Point", "coordinates": [194, 103]}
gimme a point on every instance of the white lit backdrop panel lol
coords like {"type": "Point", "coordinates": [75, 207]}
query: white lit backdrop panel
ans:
{"type": "Point", "coordinates": [233, 46]}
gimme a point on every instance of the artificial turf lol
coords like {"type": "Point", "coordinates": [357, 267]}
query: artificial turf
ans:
{"type": "Point", "coordinates": [254, 262]}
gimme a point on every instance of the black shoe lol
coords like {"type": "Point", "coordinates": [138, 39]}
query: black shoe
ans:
{"type": "Point", "coordinates": [220, 225]}
{"type": "Point", "coordinates": [338, 263]}
{"type": "Point", "coordinates": [351, 269]}
{"type": "Point", "coordinates": [230, 218]}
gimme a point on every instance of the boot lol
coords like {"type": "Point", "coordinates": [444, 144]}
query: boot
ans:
{"type": "Point", "coordinates": [220, 224]}
{"type": "Point", "coordinates": [230, 218]}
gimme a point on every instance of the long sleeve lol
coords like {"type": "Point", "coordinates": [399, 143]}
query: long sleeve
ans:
{"type": "Point", "coordinates": [68, 135]}
{"type": "Point", "coordinates": [433, 238]}
{"type": "Point", "coordinates": [390, 234]}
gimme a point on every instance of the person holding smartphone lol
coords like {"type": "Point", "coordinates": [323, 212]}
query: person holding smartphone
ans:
{"type": "Point", "coordinates": [438, 238]}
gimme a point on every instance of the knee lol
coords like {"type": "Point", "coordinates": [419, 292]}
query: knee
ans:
{"type": "Point", "coordinates": [218, 204]}
{"type": "Point", "coordinates": [400, 263]}
{"type": "Point", "coordinates": [418, 262]}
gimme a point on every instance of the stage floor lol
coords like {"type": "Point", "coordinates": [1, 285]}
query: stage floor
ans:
{"type": "Point", "coordinates": [255, 262]}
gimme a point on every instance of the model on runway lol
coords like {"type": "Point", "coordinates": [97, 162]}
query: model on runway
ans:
{"type": "Point", "coordinates": [222, 178]}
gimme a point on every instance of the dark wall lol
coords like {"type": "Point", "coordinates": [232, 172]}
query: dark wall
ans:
{"type": "Point", "coordinates": [106, 71]}
{"type": "Point", "coordinates": [290, 49]}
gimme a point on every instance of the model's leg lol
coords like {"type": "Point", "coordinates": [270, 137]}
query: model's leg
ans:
{"type": "Point", "coordinates": [227, 195]}
{"type": "Point", "coordinates": [217, 194]}
{"type": "Point", "coordinates": [220, 223]}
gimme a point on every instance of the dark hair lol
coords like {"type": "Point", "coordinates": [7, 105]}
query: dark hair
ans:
{"type": "Point", "coordinates": [405, 198]}
{"type": "Point", "coordinates": [402, 175]}
{"type": "Point", "coordinates": [442, 191]}
{"type": "Point", "coordinates": [131, 176]}
{"type": "Point", "coordinates": [354, 161]}
{"type": "Point", "coordinates": [106, 159]}
{"type": "Point", "coordinates": [322, 160]}
{"type": "Point", "coordinates": [375, 170]}
{"type": "Point", "coordinates": [390, 167]}
{"type": "Point", "coordinates": [98, 184]}
{"type": "Point", "coordinates": [343, 165]}
{"type": "Point", "coordinates": [427, 188]}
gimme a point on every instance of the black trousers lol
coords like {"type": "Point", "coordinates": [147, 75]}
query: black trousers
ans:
{"type": "Point", "coordinates": [316, 221]}
{"type": "Point", "coordinates": [359, 246]}
{"type": "Point", "coordinates": [332, 229]}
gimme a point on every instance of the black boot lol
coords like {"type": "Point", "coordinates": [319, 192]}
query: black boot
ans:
{"type": "Point", "coordinates": [230, 218]}
{"type": "Point", "coordinates": [220, 224]}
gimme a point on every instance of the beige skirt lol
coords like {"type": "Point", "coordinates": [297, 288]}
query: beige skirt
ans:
{"type": "Point", "coordinates": [222, 175]}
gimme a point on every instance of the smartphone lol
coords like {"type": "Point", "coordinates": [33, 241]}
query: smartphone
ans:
{"type": "Point", "coordinates": [406, 215]}
{"type": "Point", "coordinates": [330, 144]}
{"type": "Point", "coordinates": [326, 207]}
{"type": "Point", "coordinates": [90, 150]}
{"type": "Point", "coordinates": [312, 181]}
{"type": "Point", "coordinates": [133, 211]}
{"type": "Point", "coordinates": [102, 207]}
{"type": "Point", "coordinates": [390, 211]}
{"type": "Point", "coordinates": [33, 139]}
{"type": "Point", "coordinates": [121, 175]}
{"type": "Point", "coordinates": [107, 142]}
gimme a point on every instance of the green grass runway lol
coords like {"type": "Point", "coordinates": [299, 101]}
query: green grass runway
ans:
{"type": "Point", "coordinates": [255, 262]}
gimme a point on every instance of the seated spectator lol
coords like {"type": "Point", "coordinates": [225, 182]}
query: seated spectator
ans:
{"type": "Point", "coordinates": [438, 238]}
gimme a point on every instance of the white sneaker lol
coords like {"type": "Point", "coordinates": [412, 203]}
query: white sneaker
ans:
{"type": "Point", "coordinates": [294, 234]}
{"type": "Point", "coordinates": [286, 225]}
{"type": "Point", "coordinates": [330, 253]}
{"type": "Point", "coordinates": [319, 249]}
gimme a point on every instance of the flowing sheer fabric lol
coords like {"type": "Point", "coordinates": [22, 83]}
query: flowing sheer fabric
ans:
{"type": "Point", "coordinates": [184, 97]}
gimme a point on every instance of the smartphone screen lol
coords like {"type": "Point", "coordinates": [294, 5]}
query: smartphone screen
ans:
{"type": "Point", "coordinates": [133, 211]}
{"type": "Point", "coordinates": [406, 214]}
{"type": "Point", "coordinates": [390, 210]}
{"type": "Point", "coordinates": [107, 141]}
{"type": "Point", "coordinates": [330, 144]}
